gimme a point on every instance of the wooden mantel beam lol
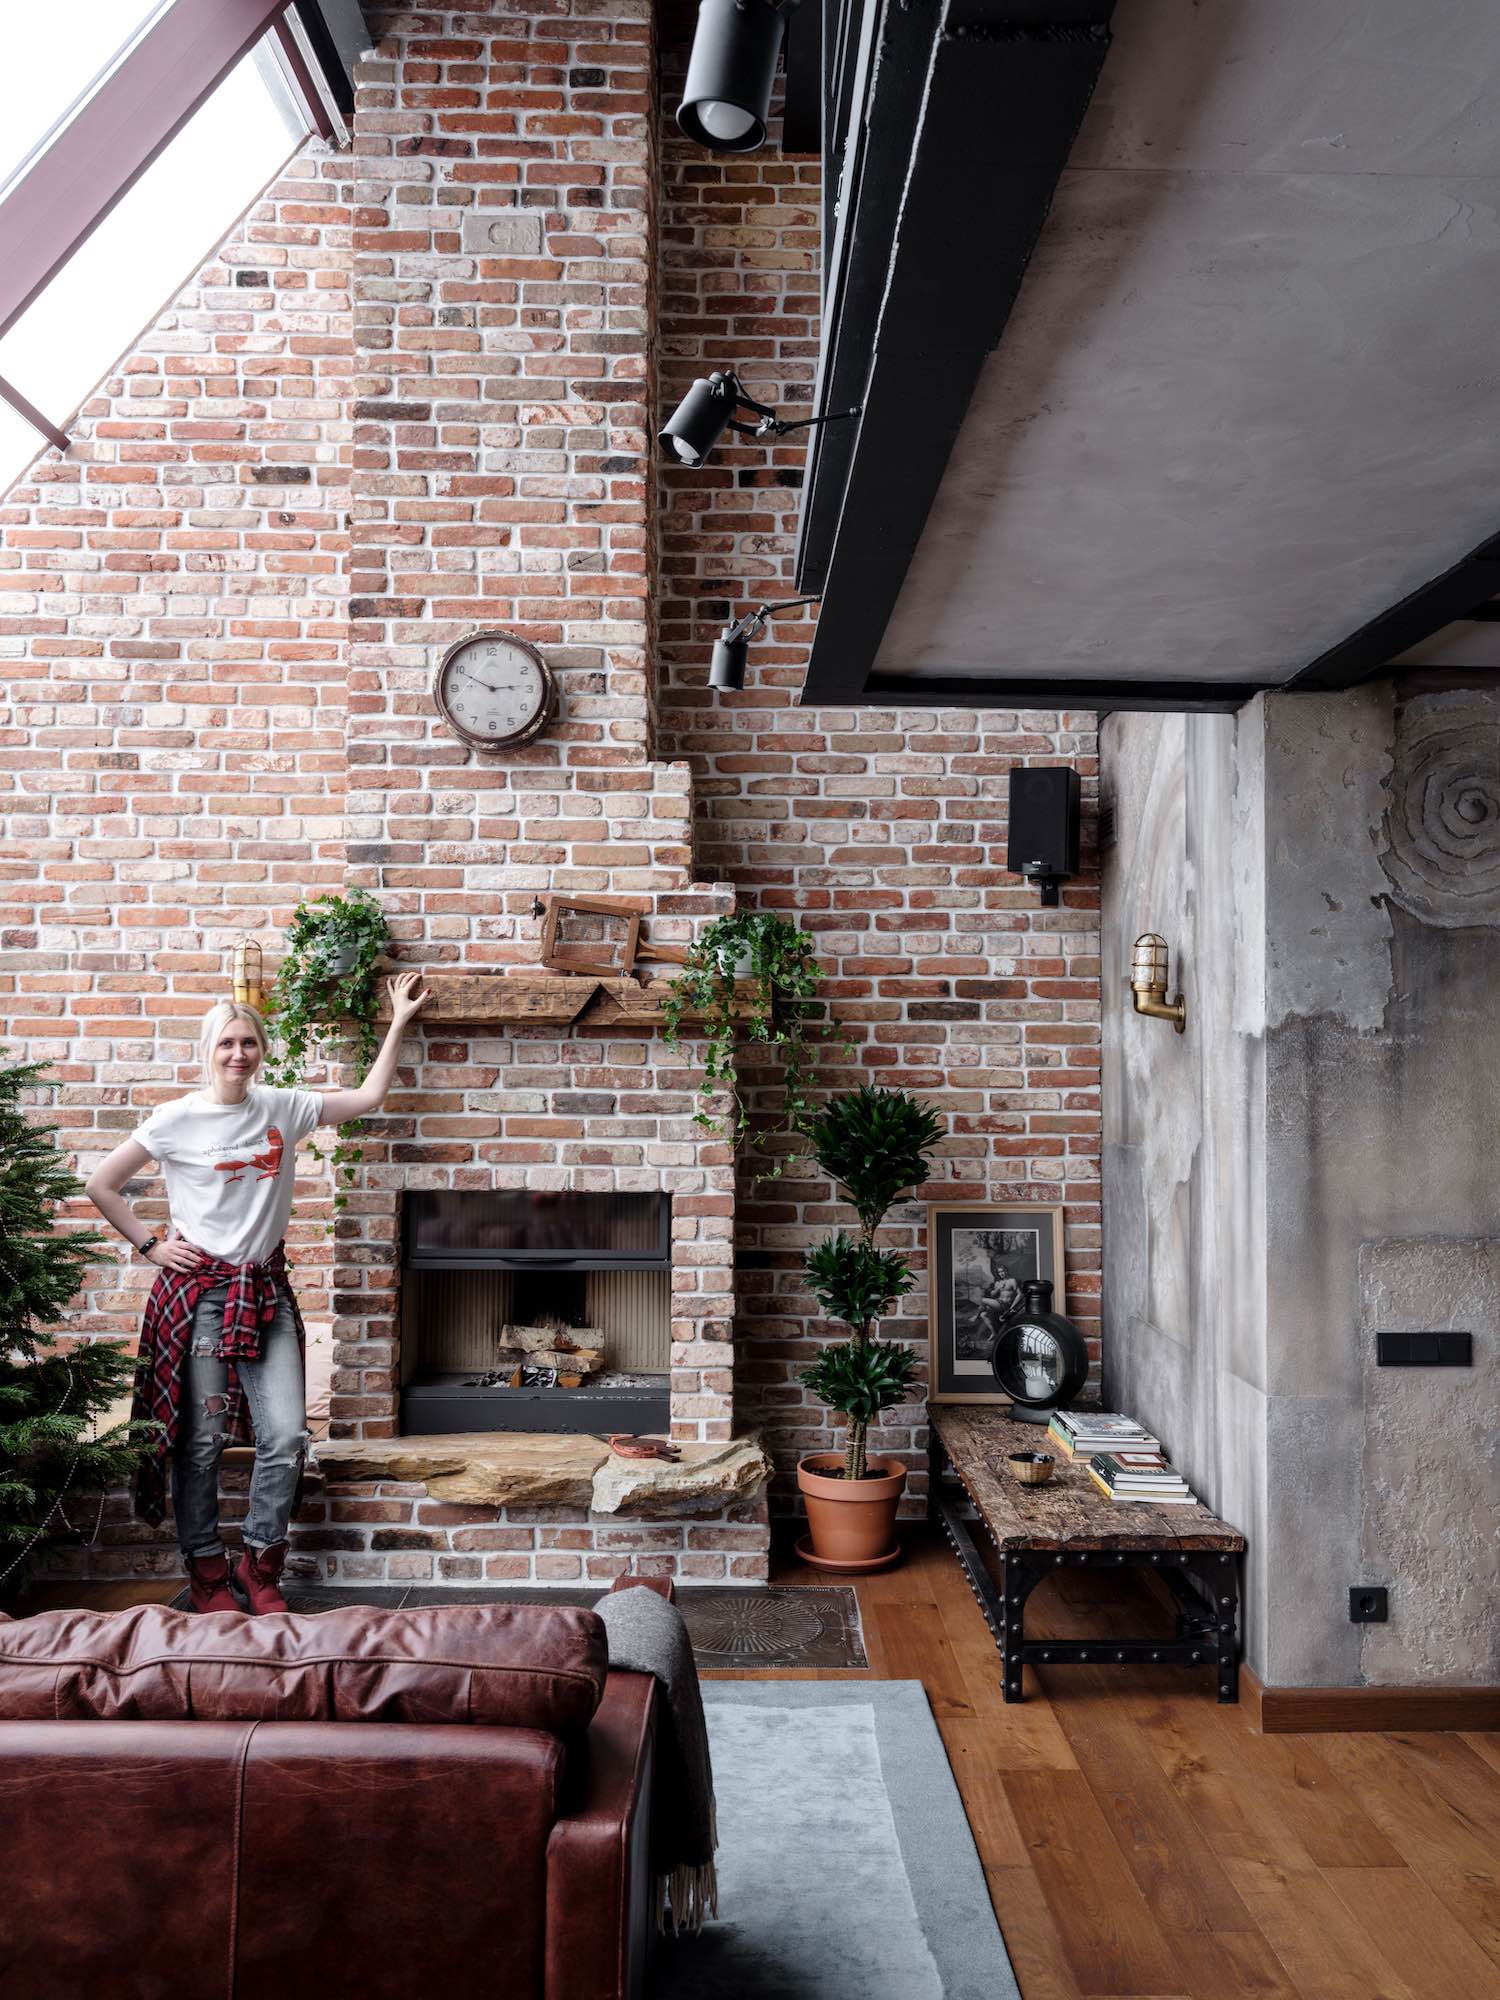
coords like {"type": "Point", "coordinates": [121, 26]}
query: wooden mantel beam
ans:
{"type": "Point", "coordinates": [554, 999]}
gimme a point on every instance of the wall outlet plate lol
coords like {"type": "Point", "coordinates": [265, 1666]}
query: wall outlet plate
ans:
{"type": "Point", "coordinates": [1369, 1604]}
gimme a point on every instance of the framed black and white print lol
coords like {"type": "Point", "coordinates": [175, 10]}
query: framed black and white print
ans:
{"type": "Point", "coordinates": [977, 1261]}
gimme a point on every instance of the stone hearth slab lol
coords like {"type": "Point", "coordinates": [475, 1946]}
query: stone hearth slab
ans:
{"type": "Point", "coordinates": [551, 1469]}
{"type": "Point", "coordinates": [706, 1476]}
{"type": "Point", "coordinates": [493, 1468]}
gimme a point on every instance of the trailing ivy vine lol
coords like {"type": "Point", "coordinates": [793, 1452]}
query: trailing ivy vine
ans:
{"type": "Point", "coordinates": [786, 1017]}
{"type": "Point", "coordinates": [325, 984]}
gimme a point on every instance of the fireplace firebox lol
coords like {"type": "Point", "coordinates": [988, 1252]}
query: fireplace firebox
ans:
{"type": "Point", "coordinates": [540, 1310]}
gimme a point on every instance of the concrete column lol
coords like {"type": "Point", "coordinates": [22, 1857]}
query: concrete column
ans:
{"type": "Point", "coordinates": [1315, 1160]}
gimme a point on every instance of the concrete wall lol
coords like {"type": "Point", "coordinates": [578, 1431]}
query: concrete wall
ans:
{"type": "Point", "coordinates": [1184, 1139]}
{"type": "Point", "coordinates": [1315, 1159]}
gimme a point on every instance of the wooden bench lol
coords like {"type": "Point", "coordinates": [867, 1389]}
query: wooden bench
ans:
{"type": "Point", "coordinates": [1069, 1523]}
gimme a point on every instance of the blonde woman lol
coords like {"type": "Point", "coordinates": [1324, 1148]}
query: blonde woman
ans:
{"type": "Point", "coordinates": [222, 1333]}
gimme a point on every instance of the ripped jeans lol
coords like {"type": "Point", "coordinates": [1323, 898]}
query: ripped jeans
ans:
{"type": "Point", "coordinates": [276, 1396]}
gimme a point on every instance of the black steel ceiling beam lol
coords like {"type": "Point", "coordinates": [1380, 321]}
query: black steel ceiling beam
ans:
{"type": "Point", "coordinates": [1460, 592]}
{"type": "Point", "coordinates": [802, 106]}
{"type": "Point", "coordinates": [847, 33]}
{"type": "Point", "coordinates": [969, 114]}
{"type": "Point", "coordinates": [884, 55]}
{"type": "Point", "coordinates": [972, 691]}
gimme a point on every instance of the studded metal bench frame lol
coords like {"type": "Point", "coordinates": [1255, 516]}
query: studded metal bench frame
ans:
{"type": "Point", "coordinates": [1204, 1582]}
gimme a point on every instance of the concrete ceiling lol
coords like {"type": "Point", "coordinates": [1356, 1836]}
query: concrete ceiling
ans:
{"type": "Point", "coordinates": [1249, 395]}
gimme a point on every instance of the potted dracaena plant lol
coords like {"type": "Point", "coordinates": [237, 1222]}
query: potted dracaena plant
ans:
{"type": "Point", "coordinates": [760, 946]}
{"type": "Point", "coordinates": [875, 1145]}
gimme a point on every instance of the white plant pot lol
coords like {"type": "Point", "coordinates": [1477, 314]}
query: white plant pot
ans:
{"type": "Point", "coordinates": [339, 962]}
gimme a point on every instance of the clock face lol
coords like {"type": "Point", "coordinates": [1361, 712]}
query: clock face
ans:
{"type": "Point", "coordinates": [494, 691]}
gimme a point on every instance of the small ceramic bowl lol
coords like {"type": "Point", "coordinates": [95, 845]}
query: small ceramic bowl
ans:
{"type": "Point", "coordinates": [1031, 1468]}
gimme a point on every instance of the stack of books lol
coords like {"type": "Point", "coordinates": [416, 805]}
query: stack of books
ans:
{"type": "Point", "coordinates": [1139, 1475]}
{"type": "Point", "coordinates": [1078, 1434]}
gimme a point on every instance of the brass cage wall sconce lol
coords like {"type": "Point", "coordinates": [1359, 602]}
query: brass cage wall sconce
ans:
{"type": "Point", "coordinates": [1148, 983]}
{"type": "Point", "coordinates": [246, 976]}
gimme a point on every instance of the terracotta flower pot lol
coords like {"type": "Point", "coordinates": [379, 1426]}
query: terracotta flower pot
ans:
{"type": "Point", "coordinates": [852, 1521]}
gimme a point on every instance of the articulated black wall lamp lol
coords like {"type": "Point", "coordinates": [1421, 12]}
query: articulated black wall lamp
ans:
{"type": "Point", "coordinates": [708, 410]}
{"type": "Point", "coordinates": [733, 643]}
{"type": "Point", "coordinates": [726, 100]}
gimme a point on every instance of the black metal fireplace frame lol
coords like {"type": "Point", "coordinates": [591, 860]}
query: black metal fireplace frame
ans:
{"type": "Point", "coordinates": [449, 1404]}
{"type": "Point", "coordinates": [480, 1258]}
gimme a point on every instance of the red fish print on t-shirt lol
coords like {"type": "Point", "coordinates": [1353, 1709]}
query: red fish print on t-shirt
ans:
{"type": "Point", "coordinates": [268, 1162]}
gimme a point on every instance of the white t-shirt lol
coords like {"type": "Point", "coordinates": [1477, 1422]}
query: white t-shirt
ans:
{"type": "Point", "coordinates": [229, 1167]}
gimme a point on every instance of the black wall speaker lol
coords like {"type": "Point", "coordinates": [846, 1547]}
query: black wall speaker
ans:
{"type": "Point", "coordinates": [1043, 842]}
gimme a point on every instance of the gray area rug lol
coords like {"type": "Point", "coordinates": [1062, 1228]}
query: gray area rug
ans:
{"type": "Point", "coordinates": [847, 1870]}
{"type": "Point", "coordinates": [733, 1630]}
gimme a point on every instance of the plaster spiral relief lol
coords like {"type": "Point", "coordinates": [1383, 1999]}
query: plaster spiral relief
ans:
{"type": "Point", "coordinates": [1442, 825]}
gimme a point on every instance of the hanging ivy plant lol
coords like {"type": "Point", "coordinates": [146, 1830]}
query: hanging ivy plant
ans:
{"type": "Point", "coordinates": [326, 983]}
{"type": "Point", "coordinates": [778, 957]}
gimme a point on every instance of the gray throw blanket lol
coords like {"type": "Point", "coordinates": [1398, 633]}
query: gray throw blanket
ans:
{"type": "Point", "coordinates": [647, 1636]}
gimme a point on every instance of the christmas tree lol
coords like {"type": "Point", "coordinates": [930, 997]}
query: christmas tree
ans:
{"type": "Point", "coordinates": [51, 1393]}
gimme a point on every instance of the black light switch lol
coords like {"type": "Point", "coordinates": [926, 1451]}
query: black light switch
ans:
{"type": "Point", "coordinates": [1424, 1350]}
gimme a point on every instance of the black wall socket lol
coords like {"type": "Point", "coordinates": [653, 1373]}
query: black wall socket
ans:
{"type": "Point", "coordinates": [1369, 1604]}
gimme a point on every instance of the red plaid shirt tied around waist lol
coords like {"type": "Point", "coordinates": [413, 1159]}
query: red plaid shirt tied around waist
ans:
{"type": "Point", "coordinates": [254, 1292]}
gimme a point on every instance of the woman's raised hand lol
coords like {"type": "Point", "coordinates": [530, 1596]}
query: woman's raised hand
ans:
{"type": "Point", "coordinates": [405, 1001]}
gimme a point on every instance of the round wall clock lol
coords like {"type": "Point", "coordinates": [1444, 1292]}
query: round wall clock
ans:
{"type": "Point", "coordinates": [494, 690]}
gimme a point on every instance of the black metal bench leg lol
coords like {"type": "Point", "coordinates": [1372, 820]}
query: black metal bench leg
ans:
{"type": "Point", "coordinates": [1020, 1579]}
{"type": "Point", "coordinates": [1227, 1598]}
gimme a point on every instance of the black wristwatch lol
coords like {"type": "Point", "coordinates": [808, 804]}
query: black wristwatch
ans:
{"type": "Point", "coordinates": [144, 1249]}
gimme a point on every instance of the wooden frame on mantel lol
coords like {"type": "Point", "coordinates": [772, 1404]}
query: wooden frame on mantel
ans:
{"type": "Point", "coordinates": [607, 957]}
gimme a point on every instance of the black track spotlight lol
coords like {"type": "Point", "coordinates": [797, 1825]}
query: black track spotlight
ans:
{"type": "Point", "coordinates": [727, 668]}
{"type": "Point", "coordinates": [708, 410]}
{"type": "Point", "coordinates": [701, 418]}
{"type": "Point", "coordinates": [727, 97]}
{"type": "Point", "coordinates": [732, 647]}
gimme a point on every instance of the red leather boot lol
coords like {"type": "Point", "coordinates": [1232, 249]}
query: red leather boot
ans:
{"type": "Point", "coordinates": [260, 1578]}
{"type": "Point", "coordinates": [208, 1581]}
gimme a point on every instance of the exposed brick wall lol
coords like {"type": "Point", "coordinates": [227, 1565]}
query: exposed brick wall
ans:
{"type": "Point", "coordinates": [881, 832]}
{"type": "Point", "coordinates": [173, 705]}
{"type": "Point", "coordinates": [221, 703]}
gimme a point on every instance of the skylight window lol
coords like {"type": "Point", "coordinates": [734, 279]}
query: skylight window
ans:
{"type": "Point", "coordinates": [48, 71]}
{"type": "Point", "coordinates": [143, 250]}
{"type": "Point", "coordinates": [105, 216]}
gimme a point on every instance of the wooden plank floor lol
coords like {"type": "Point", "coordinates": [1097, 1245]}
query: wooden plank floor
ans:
{"type": "Point", "coordinates": [1142, 1843]}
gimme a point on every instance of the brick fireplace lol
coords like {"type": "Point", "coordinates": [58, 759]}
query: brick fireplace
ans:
{"type": "Point", "coordinates": [421, 1314]}
{"type": "Point", "coordinates": [437, 1258]}
{"type": "Point", "coordinates": [503, 251]}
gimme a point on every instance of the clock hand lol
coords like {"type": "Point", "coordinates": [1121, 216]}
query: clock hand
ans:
{"type": "Point", "coordinates": [491, 687]}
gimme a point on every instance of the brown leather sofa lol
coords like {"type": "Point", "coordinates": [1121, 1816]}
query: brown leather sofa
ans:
{"type": "Point", "coordinates": [398, 1805]}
